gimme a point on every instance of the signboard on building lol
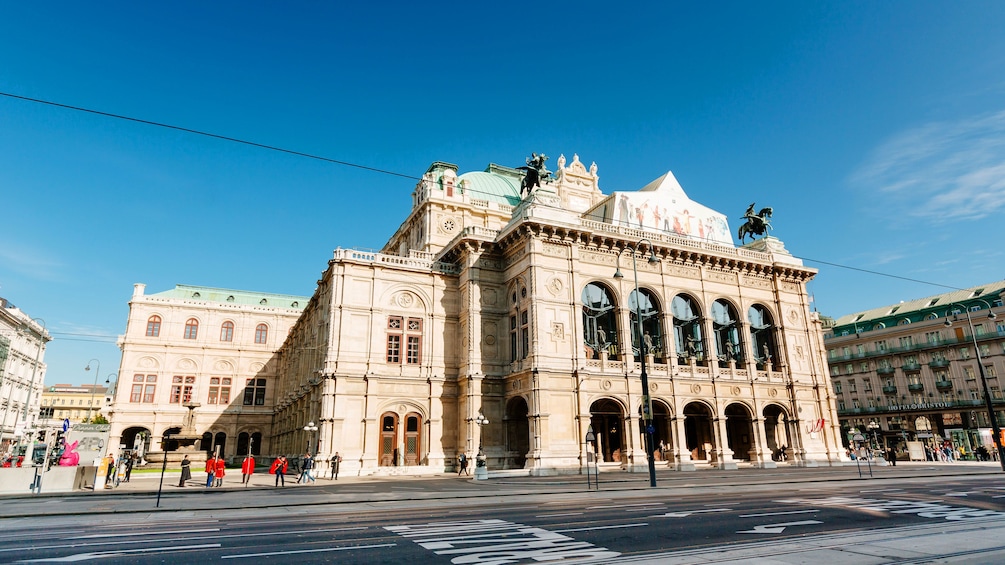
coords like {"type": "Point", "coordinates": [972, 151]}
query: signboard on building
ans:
{"type": "Point", "coordinates": [93, 440]}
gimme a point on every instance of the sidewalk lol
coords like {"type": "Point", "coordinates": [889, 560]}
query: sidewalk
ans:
{"type": "Point", "coordinates": [141, 493]}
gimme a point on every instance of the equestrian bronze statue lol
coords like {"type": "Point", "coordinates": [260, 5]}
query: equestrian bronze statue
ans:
{"type": "Point", "coordinates": [756, 224]}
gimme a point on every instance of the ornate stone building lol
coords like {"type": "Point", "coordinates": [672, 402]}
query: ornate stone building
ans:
{"type": "Point", "coordinates": [205, 354]}
{"type": "Point", "coordinates": [22, 373]}
{"type": "Point", "coordinates": [486, 303]}
{"type": "Point", "coordinates": [905, 379]}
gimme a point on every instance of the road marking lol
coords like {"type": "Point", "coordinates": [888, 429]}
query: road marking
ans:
{"type": "Point", "coordinates": [778, 528]}
{"type": "Point", "coordinates": [566, 531]}
{"type": "Point", "coordinates": [108, 554]}
{"type": "Point", "coordinates": [559, 514]}
{"type": "Point", "coordinates": [688, 513]}
{"type": "Point", "coordinates": [144, 533]}
{"type": "Point", "coordinates": [922, 509]}
{"type": "Point", "coordinates": [778, 513]}
{"type": "Point", "coordinates": [624, 505]}
{"type": "Point", "coordinates": [959, 494]}
{"type": "Point", "coordinates": [499, 541]}
{"type": "Point", "coordinates": [295, 551]}
{"type": "Point", "coordinates": [882, 490]}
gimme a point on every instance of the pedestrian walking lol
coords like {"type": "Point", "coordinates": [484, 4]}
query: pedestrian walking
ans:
{"type": "Point", "coordinates": [462, 459]}
{"type": "Point", "coordinates": [109, 471]}
{"type": "Point", "coordinates": [308, 471]}
{"type": "Point", "coordinates": [278, 468]}
{"type": "Point", "coordinates": [247, 468]}
{"type": "Point", "coordinates": [336, 460]}
{"type": "Point", "coordinates": [210, 470]}
{"type": "Point", "coordinates": [129, 466]}
{"type": "Point", "coordinates": [221, 467]}
{"type": "Point", "coordinates": [892, 456]}
{"type": "Point", "coordinates": [186, 471]}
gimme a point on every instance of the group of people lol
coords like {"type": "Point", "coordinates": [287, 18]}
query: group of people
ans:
{"type": "Point", "coordinates": [216, 469]}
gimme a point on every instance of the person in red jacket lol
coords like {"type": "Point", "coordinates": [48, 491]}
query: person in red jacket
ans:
{"type": "Point", "coordinates": [221, 466]}
{"type": "Point", "coordinates": [278, 468]}
{"type": "Point", "coordinates": [247, 468]}
{"type": "Point", "coordinates": [210, 470]}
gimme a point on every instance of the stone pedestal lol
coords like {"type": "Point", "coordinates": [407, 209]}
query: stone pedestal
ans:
{"type": "Point", "coordinates": [481, 469]}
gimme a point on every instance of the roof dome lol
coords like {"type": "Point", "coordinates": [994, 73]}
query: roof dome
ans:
{"type": "Point", "coordinates": [492, 187]}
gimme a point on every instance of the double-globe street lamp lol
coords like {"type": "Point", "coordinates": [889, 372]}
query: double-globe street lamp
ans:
{"type": "Point", "coordinates": [996, 437]}
{"type": "Point", "coordinates": [647, 409]}
{"type": "Point", "coordinates": [310, 428]}
{"type": "Point", "coordinates": [481, 469]}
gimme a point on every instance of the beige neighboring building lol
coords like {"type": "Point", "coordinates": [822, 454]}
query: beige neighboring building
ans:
{"type": "Point", "coordinates": [485, 303]}
{"type": "Point", "coordinates": [902, 377]}
{"type": "Point", "coordinates": [22, 373]}
{"type": "Point", "coordinates": [206, 349]}
{"type": "Point", "coordinates": [75, 403]}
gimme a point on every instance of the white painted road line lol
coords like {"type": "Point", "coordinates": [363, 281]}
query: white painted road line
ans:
{"type": "Point", "coordinates": [778, 528]}
{"type": "Point", "coordinates": [144, 533]}
{"type": "Point", "coordinates": [296, 551]}
{"type": "Point", "coordinates": [600, 528]}
{"type": "Point", "coordinates": [687, 513]}
{"type": "Point", "coordinates": [111, 554]}
{"type": "Point", "coordinates": [559, 515]}
{"type": "Point", "coordinates": [778, 513]}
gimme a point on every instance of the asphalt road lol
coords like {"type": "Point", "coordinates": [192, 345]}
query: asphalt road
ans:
{"type": "Point", "coordinates": [945, 519]}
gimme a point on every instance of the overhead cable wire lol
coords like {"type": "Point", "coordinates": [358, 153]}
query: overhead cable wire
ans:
{"type": "Point", "coordinates": [368, 168]}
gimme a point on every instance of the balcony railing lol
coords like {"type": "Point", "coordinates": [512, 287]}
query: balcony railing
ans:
{"type": "Point", "coordinates": [890, 389]}
{"type": "Point", "coordinates": [911, 367]}
{"type": "Point", "coordinates": [944, 385]}
{"type": "Point", "coordinates": [938, 363]}
{"type": "Point", "coordinates": [915, 387]}
{"type": "Point", "coordinates": [885, 370]}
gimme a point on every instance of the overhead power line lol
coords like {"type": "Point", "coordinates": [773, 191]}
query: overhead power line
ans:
{"type": "Point", "coordinates": [367, 168]}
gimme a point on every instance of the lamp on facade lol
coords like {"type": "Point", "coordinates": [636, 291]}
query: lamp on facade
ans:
{"type": "Point", "coordinates": [996, 438]}
{"type": "Point", "coordinates": [647, 410]}
{"type": "Point", "coordinates": [97, 371]}
{"type": "Point", "coordinates": [310, 428]}
{"type": "Point", "coordinates": [481, 469]}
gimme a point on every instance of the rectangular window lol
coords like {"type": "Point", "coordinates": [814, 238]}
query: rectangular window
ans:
{"type": "Point", "coordinates": [968, 373]}
{"type": "Point", "coordinates": [837, 387]}
{"type": "Point", "coordinates": [394, 348]}
{"type": "Point", "coordinates": [181, 389]}
{"type": "Point", "coordinates": [906, 342]}
{"type": "Point", "coordinates": [849, 369]}
{"type": "Point", "coordinates": [881, 346]}
{"type": "Point", "coordinates": [524, 335]}
{"type": "Point", "coordinates": [964, 353]}
{"type": "Point", "coordinates": [514, 346]}
{"type": "Point", "coordinates": [219, 390]}
{"type": "Point", "coordinates": [136, 393]}
{"type": "Point", "coordinates": [852, 387]}
{"type": "Point", "coordinates": [412, 353]}
{"type": "Point", "coordinates": [254, 392]}
{"type": "Point", "coordinates": [989, 372]}
{"type": "Point", "coordinates": [149, 389]}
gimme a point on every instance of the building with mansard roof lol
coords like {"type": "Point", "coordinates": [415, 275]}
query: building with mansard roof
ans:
{"type": "Point", "coordinates": [913, 374]}
{"type": "Point", "coordinates": [513, 325]}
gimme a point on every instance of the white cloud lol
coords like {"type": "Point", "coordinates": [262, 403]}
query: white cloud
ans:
{"type": "Point", "coordinates": [28, 262]}
{"type": "Point", "coordinates": [942, 170]}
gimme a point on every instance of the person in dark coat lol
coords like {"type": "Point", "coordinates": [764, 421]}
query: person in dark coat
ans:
{"type": "Point", "coordinates": [892, 456]}
{"type": "Point", "coordinates": [463, 467]}
{"type": "Point", "coordinates": [186, 471]}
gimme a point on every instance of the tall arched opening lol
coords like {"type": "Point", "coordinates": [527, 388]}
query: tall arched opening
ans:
{"type": "Point", "coordinates": [776, 431]}
{"type": "Point", "coordinates": [388, 456]}
{"type": "Point", "coordinates": [698, 431]}
{"type": "Point", "coordinates": [517, 428]}
{"type": "Point", "coordinates": [608, 420]}
{"type": "Point", "coordinates": [739, 431]}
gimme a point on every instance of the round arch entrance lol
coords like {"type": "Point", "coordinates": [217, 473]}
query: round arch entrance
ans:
{"type": "Point", "coordinates": [739, 431]}
{"type": "Point", "coordinates": [776, 431]}
{"type": "Point", "coordinates": [608, 420]}
{"type": "Point", "coordinates": [517, 433]}
{"type": "Point", "coordinates": [698, 430]}
{"type": "Point", "coordinates": [661, 430]}
{"type": "Point", "coordinates": [136, 439]}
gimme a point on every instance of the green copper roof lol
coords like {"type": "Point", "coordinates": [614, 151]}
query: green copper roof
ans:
{"type": "Point", "coordinates": [492, 187]}
{"type": "Point", "coordinates": [245, 297]}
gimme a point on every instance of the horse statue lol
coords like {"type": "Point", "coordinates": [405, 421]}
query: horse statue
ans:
{"type": "Point", "coordinates": [756, 224]}
{"type": "Point", "coordinates": [535, 173]}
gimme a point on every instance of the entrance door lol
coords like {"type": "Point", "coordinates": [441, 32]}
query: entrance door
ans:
{"type": "Point", "coordinates": [412, 439]}
{"type": "Point", "coordinates": [388, 440]}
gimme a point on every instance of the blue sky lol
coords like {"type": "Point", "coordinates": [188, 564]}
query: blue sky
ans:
{"type": "Point", "coordinates": [876, 131]}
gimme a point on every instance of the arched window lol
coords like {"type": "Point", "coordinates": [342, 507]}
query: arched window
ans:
{"type": "Point", "coordinates": [687, 324]}
{"type": "Point", "coordinates": [600, 324]}
{"type": "Point", "coordinates": [227, 331]}
{"type": "Point", "coordinates": [191, 328]}
{"type": "Point", "coordinates": [646, 305]}
{"type": "Point", "coordinates": [762, 336]}
{"type": "Point", "coordinates": [154, 326]}
{"type": "Point", "coordinates": [725, 324]}
{"type": "Point", "coordinates": [261, 333]}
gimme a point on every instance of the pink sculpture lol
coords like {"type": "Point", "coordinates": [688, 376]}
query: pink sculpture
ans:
{"type": "Point", "coordinates": [70, 457]}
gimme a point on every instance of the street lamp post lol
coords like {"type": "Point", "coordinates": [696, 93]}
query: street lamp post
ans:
{"type": "Point", "coordinates": [310, 428]}
{"type": "Point", "coordinates": [647, 409]}
{"type": "Point", "coordinates": [97, 371]}
{"type": "Point", "coordinates": [481, 470]}
{"type": "Point", "coordinates": [872, 427]}
{"type": "Point", "coordinates": [996, 438]}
